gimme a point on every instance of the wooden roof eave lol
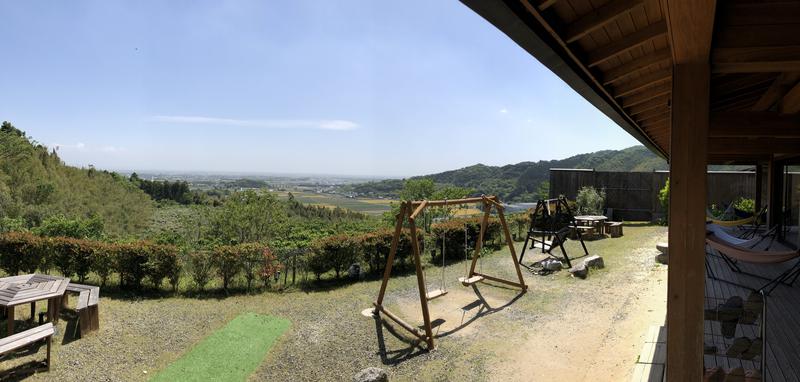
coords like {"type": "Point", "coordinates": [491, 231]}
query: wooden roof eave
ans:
{"type": "Point", "coordinates": [516, 23]}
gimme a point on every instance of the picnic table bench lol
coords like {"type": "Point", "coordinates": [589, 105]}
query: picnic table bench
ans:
{"type": "Point", "coordinates": [30, 336]}
{"type": "Point", "coordinates": [87, 306]}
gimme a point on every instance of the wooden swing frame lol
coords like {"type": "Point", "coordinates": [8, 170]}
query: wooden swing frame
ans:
{"type": "Point", "coordinates": [409, 210]}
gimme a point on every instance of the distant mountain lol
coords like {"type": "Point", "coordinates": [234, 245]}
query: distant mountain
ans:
{"type": "Point", "coordinates": [525, 180]}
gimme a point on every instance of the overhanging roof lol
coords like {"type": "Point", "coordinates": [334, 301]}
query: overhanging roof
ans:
{"type": "Point", "coordinates": [617, 55]}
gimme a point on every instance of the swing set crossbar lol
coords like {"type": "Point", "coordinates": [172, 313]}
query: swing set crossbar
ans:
{"type": "Point", "coordinates": [409, 210]}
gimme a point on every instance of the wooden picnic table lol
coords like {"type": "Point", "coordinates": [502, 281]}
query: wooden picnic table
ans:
{"type": "Point", "coordinates": [31, 288]}
{"type": "Point", "coordinates": [595, 221]}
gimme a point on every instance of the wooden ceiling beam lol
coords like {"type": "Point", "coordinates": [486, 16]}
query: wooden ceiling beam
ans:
{"type": "Point", "coordinates": [652, 113]}
{"type": "Point", "coordinates": [642, 82]}
{"type": "Point", "coordinates": [752, 124]}
{"type": "Point", "coordinates": [757, 59]}
{"type": "Point", "coordinates": [632, 67]}
{"type": "Point", "coordinates": [790, 103]}
{"type": "Point", "coordinates": [656, 118]}
{"type": "Point", "coordinates": [734, 84]}
{"type": "Point", "coordinates": [690, 23]}
{"type": "Point", "coordinates": [759, 13]}
{"type": "Point", "coordinates": [639, 98]}
{"type": "Point", "coordinates": [598, 18]}
{"type": "Point", "coordinates": [626, 43]}
{"type": "Point", "coordinates": [776, 91]}
{"type": "Point", "coordinates": [660, 101]}
{"type": "Point", "coordinates": [547, 4]}
{"type": "Point", "coordinates": [754, 146]}
{"type": "Point", "coordinates": [755, 36]}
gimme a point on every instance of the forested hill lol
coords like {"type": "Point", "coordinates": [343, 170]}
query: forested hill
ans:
{"type": "Point", "coordinates": [35, 184]}
{"type": "Point", "coordinates": [524, 181]}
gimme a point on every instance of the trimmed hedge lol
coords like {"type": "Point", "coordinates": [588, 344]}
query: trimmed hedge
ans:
{"type": "Point", "coordinates": [26, 252]}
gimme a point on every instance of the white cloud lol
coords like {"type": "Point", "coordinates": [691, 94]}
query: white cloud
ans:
{"type": "Point", "coordinates": [503, 110]}
{"type": "Point", "coordinates": [111, 149]}
{"type": "Point", "coordinates": [324, 124]}
{"type": "Point", "coordinates": [77, 146]}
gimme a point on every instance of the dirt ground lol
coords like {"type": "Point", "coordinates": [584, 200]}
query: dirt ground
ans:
{"type": "Point", "coordinates": [561, 329]}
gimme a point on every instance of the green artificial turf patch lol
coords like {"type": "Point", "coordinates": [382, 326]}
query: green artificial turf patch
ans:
{"type": "Point", "coordinates": [229, 354]}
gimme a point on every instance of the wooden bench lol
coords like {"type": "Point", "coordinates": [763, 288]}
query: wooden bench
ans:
{"type": "Point", "coordinates": [87, 306]}
{"type": "Point", "coordinates": [22, 339]}
{"type": "Point", "coordinates": [614, 228]}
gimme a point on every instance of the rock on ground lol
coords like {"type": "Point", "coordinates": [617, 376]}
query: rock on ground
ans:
{"type": "Point", "coordinates": [371, 374]}
{"type": "Point", "coordinates": [579, 270]}
{"type": "Point", "coordinates": [594, 262]}
{"type": "Point", "coordinates": [663, 248]}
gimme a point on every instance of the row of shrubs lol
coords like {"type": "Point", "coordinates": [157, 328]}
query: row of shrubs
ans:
{"type": "Point", "coordinates": [336, 253]}
{"type": "Point", "coordinates": [133, 262]}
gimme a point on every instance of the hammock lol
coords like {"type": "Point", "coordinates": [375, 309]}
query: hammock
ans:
{"type": "Point", "coordinates": [723, 235]}
{"type": "Point", "coordinates": [730, 251]}
{"type": "Point", "coordinates": [732, 223]}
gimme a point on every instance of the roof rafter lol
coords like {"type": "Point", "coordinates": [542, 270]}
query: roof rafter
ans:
{"type": "Point", "coordinates": [598, 18]}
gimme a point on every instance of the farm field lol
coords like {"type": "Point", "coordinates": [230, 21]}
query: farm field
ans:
{"type": "Point", "coordinates": [367, 206]}
{"type": "Point", "coordinates": [485, 333]}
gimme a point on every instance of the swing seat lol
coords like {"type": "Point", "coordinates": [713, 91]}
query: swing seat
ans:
{"type": "Point", "coordinates": [467, 281]}
{"type": "Point", "coordinates": [435, 293]}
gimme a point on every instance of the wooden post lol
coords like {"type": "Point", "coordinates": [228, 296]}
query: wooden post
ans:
{"type": "Point", "coordinates": [775, 193]}
{"type": "Point", "coordinates": [10, 320]}
{"type": "Point", "coordinates": [392, 251]}
{"type": "Point", "coordinates": [687, 206]}
{"type": "Point", "coordinates": [423, 298]}
{"type": "Point", "coordinates": [513, 251]}
{"type": "Point", "coordinates": [487, 209]}
{"type": "Point", "coordinates": [758, 187]}
{"type": "Point", "coordinates": [33, 312]}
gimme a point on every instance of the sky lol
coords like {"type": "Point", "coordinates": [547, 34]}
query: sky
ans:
{"type": "Point", "coordinates": [377, 88]}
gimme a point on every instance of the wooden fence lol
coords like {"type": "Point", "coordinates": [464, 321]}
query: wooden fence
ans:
{"type": "Point", "coordinates": [634, 195]}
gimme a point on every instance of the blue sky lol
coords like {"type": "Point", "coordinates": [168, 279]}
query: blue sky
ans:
{"type": "Point", "coordinates": [341, 87]}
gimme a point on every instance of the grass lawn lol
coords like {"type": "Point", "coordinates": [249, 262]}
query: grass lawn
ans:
{"type": "Point", "coordinates": [228, 354]}
{"type": "Point", "coordinates": [486, 333]}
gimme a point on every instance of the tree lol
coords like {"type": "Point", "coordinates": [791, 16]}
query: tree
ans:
{"type": "Point", "coordinates": [249, 216]}
{"type": "Point", "coordinates": [417, 189]}
{"type": "Point", "coordinates": [590, 201]}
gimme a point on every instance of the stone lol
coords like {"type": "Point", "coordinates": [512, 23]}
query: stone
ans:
{"type": "Point", "coordinates": [663, 248]}
{"type": "Point", "coordinates": [594, 262]}
{"type": "Point", "coordinates": [354, 271]}
{"type": "Point", "coordinates": [662, 258]}
{"type": "Point", "coordinates": [371, 374]}
{"type": "Point", "coordinates": [552, 265]}
{"type": "Point", "coordinates": [579, 270]}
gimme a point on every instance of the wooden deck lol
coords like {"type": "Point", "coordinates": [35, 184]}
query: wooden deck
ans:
{"type": "Point", "coordinates": [782, 329]}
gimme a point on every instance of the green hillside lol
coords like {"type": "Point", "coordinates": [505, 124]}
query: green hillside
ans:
{"type": "Point", "coordinates": [522, 181]}
{"type": "Point", "coordinates": [36, 184]}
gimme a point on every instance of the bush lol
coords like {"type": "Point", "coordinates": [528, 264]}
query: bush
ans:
{"type": "Point", "coordinates": [590, 201]}
{"type": "Point", "coordinates": [20, 251]}
{"type": "Point", "coordinates": [162, 262]}
{"type": "Point", "coordinates": [341, 251]}
{"type": "Point", "coordinates": [663, 198]}
{"type": "Point", "coordinates": [103, 261]}
{"type": "Point", "coordinates": [131, 263]}
{"type": "Point", "coordinates": [201, 268]}
{"type": "Point", "coordinates": [58, 226]}
{"type": "Point", "coordinates": [269, 266]}
{"type": "Point", "coordinates": [318, 262]}
{"type": "Point", "coordinates": [251, 256]}
{"type": "Point", "coordinates": [745, 205]}
{"type": "Point", "coordinates": [225, 259]}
